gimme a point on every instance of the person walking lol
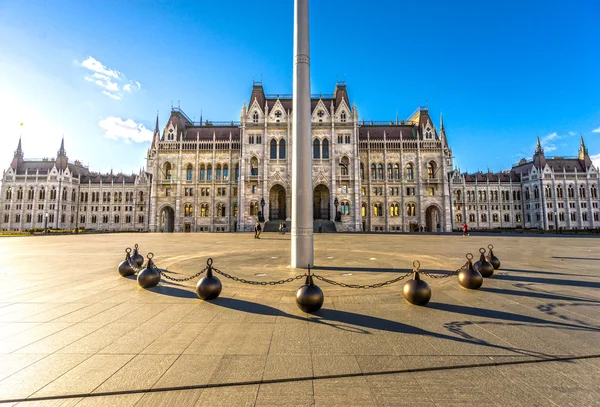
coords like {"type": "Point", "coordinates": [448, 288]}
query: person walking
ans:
{"type": "Point", "coordinates": [257, 230]}
{"type": "Point", "coordinates": [465, 229]}
{"type": "Point", "coordinates": [280, 228]}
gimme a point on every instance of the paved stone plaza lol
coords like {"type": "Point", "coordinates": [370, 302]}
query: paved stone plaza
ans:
{"type": "Point", "coordinates": [73, 332]}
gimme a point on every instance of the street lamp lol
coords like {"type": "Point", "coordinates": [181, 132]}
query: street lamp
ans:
{"type": "Point", "coordinates": [556, 221]}
{"type": "Point", "coordinates": [336, 203]}
{"type": "Point", "coordinates": [262, 213]}
{"type": "Point", "coordinates": [46, 224]}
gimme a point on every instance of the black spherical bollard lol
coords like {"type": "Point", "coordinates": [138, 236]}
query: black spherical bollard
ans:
{"type": "Point", "coordinates": [309, 297]}
{"type": "Point", "coordinates": [209, 287]}
{"type": "Point", "coordinates": [149, 277]}
{"type": "Point", "coordinates": [416, 291]}
{"type": "Point", "coordinates": [125, 268]}
{"type": "Point", "coordinates": [469, 277]}
{"type": "Point", "coordinates": [484, 267]}
{"type": "Point", "coordinates": [493, 259]}
{"type": "Point", "coordinates": [137, 257]}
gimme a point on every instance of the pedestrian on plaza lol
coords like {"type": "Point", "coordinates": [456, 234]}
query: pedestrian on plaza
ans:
{"type": "Point", "coordinates": [257, 230]}
{"type": "Point", "coordinates": [439, 228]}
{"type": "Point", "coordinates": [283, 227]}
{"type": "Point", "coordinates": [417, 227]}
{"type": "Point", "coordinates": [320, 228]}
{"type": "Point", "coordinates": [465, 229]}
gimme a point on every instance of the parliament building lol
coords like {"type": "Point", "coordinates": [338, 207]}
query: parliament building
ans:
{"type": "Point", "coordinates": [393, 176]}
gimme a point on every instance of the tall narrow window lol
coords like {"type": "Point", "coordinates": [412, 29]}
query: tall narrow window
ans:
{"type": "Point", "coordinates": [325, 149]}
{"type": "Point", "coordinates": [168, 169]}
{"type": "Point", "coordinates": [373, 171]}
{"type": "Point", "coordinates": [343, 117]}
{"type": "Point", "coordinates": [409, 172]}
{"type": "Point", "coordinates": [218, 174]}
{"type": "Point", "coordinates": [237, 172]}
{"type": "Point", "coordinates": [362, 171]}
{"type": "Point", "coordinates": [225, 172]}
{"type": "Point", "coordinates": [273, 149]}
{"type": "Point", "coordinates": [380, 171]}
{"type": "Point", "coordinates": [281, 149]}
{"type": "Point", "coordinates": [209, 172]}
{"type": "Point", "coordinates": [255, 117]}
{"type": "Point", "coordinates": [189, 172]}
{"type": "Point", "coordinates": [316, 149]}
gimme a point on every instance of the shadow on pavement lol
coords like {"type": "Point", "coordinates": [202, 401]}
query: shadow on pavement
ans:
{"type": "Point", "coordinates": [536, 294]}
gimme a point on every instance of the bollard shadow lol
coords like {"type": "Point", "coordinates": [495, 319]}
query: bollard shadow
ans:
{"type": "Point", "coordinates": [172, 291]}
{"type": "Point", "coordinates": [536, 294]}
{"type": "Point", "coordinates": [552, 273]}
{"type": "Point", "coordinates": [361, 269]}
{"type": "Point", "coordinates": [364, 324]}
{"type": "Point", "coordinates": [506, 316]}
{"type": "Point", "coordinates": [576, 258]}
{"type": "Point", "coordinates": [542, 280]}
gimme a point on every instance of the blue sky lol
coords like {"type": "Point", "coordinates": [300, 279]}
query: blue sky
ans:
{"type": "Point", "coordinates": [97, 71]}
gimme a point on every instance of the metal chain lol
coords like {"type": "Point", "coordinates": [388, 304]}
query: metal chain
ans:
{"type": "Point", "coordinates": [133, 264]}
{"type": "Point", "coordinates": [453, 273]}
{"type": "Point", "coordinates": [332, 282]}
{"type": "Point", "coordinates": [162, 273]}
{"type": "Point", "coordinates": [241, 280]}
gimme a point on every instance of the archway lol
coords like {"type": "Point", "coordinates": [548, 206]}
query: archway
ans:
{"type": "Point", "coordinates": [277, 209]}
{"type": "Point", "coordinates": [433, 219]}
{"type": "Point", "coordinates": [321, 202]}
{"type": "Point", "coordinates": [167, 219]}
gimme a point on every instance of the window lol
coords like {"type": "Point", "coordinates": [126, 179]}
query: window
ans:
{"type": "Point", "coordinates": [410, 209]}
{"type": "Point", "coordinates": [253, 209]}
{"type": "Point", "coordinates": [571, 191]}
{"type": "Point", "coordinates": [167, 171]}
{"type": "Point", "coordinates": [209, 172]}
{"type": "Point", "coordinates": [253, 189]}
{"type": "Point", "coordinates": [218, 173]}
{"type": "Point", "coordinates": [325, 149]}
{"type": "Point", "coordinates": [431, 170]}
{"type": "Point", "coordinates": [363, 210]}
{"type": "Point", "coordinates": [582, 191]}
{"type": "Point", "coordinates": [254, 166]}
{"type": "Point", "coordinates": [483, 217]}
{"type": "Point", "coordinates": [251, 139]}
{"type": "Point", "coordinates": [409, 172]}
{"type": "Point", "coordinates": [593, 192]}
{"type": "Point", "coordinates": [281, 149]}
{"type": "Point", "coordinates": [596, 216]}
{"type": "Point", "coordinates": [373, 171]}
{"type": "Point", "coordinates": [343, 117]}
{"type": "Point", "coordinates": [344, 164]}
{"type": "Point", "coordinates": [221, 210]}
{"type": "Point", "coordinates": [255, 117]}
{"type": "Point", "coordinates": [458, 218]}
{"type": "Point", "coordinates": [548, 191]}
{"type": "Point", "coordinates": [273, 149]}
{"type": "Point", "coordinates": [573, 217]}
{"type": "Point", "coordinates": [278, 116]}
{"type": "Point", "coordinates": [316, 149]}
{"type": "Point", "coordinates": [168, 192]}
{"type": "Point", "coordinates": [410, 191]}
{"type": "Point", "coordinates": [42, 193]}
{"type": "Point", "coordinates": [204, 210]}
{"type": "Point", "coordinates": [20, 194]}
{"type": "Point", "coordinates": [584, 216]}
{"type": "Point", "coordinates": [141, 219]}
{"type": "Point", "coordinates": [258, 139]}
{"type": "Point", "coordinates": [518, 218]}
{"type": "Point", "coordinates": [362, 171]}
{"type": "Point", "coordinates": [170, 136]}
{"type": "Point", "coordinates": [9, 193]}
{"type": "Point", "coordinates": [237, 172]}
{"type": "Point", "coordinates": [141, 196]}
{"type": "Point", "coordinates": [30, 194]}
{"type": "Point", "coordinates": [527, 197]}
{"type": "Point", "coordinates": [394, 209]}
{"type": "Point", "coordinates": [188, 210]}
{"type": "Point", "coordinates": [379, 171]}
{"type": "Point", "coordinates": [377, 209]}
{"type": "Point", "coordinates": [536, 193]}
{"type": "Point", "coordinates": [495, 217]}
{"type": "Point", "coordinates": [345, 208]}
{"type": "Point", "coordinates": [320, 113]}
{"type": "Point", "coordinates": [225, 172]}
{"type": "Point", "coordinates": [431, 191]}
{"type": "Point", "coordinates": [550, 216]}
{"type": "Point", "coordinates": [189, 172]}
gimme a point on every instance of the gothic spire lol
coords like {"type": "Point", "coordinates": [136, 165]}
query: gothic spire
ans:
{"type": "Point", "coordinates": [538, 146]}
{"type": "Point", "coordinates": [19, 150]}
{"type": "Point", "coordinates": [583, 151]}
{"type": "Point", "coordinates": [441, 121]}
{"type": "Point", "coordinates": [156, 127]}
{"type": "Point", "coordinates": [61, 151]}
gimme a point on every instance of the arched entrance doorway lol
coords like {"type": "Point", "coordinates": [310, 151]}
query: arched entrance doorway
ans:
{"type": "Point", "coordinates": [277, 210]}
{"type": "Point", "coordinates": [433, 219]}
{"type": "Point", "coordinates": [321, 202]}
{"type": "Point", "coordinates": [167, 219]}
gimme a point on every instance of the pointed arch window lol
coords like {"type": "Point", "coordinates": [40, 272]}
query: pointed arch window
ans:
{"type": "Point", "coordinates": [282, 149]}
{"type": "Point", "coordinates": [458, 218]}
{"type": "Point", "coordinates": [390, 173]}
{"type": "Point", "coordinates": [202, 172]}
{"type": "Point", "coordinates": [582, 191]}
{"type": "Point", "coordinates": [225, 172]}
{"type": "Point", "coordinates": [571, 191]}
{"type": "Point", "coordinates": [30, 194]}
{"type": "Point", "coordinates": [20, 193]}
{"type": "Point", "coordinates": [373, 171]}
{"type": "Point", "coordinates": [344, 165]}
{"type": "Point", "coordinates": [362, 171]}
{"type": "Point", "coordinates": [316, 149]}
{"type": "Point", "coordinates": [254, 166]}
{"type": "Point", "coordinates": [431, 169]}
{"type": "Point", "coordinates": [409, 172]}
{"type": "Point", "coordinates": [9, 193]}
{"type": "Point", "coordinates": [167, 171]}
{"type": "Point", "coordinates": [410, 209]}
{"type": "Point", "coordinates": [593, 192]}
{"type": "Point", "coordinates": [273, 149]}
{"type": "Point", "coordinates": [209, 172]}
{"type": "Point", "coordinates": [363, 210]}
{"type": "Point", "coordinates": [204, 210]}
{"type": "Point", "coordinates": [548, 191]}
{"type": "Point", "coordinates": [380, 171]}
{"type": "Point", "coordinates": [218, 173]}
{"type": "Point", "coordinates": [536, 192]}
{"type": "Point", "coordinates": [559, 191]}
{"type": "Point", "coordinates": [377, 210]}
{"type": "Point", "coordinates": [343, 117]}
{"type": "Point", "coordinates": [394, 209]}
{"type": "Point", "coordinates": [255, 117]}
{"type": "Point", "coordinates": [237, 172]}
{"type": "Point", "coordinates": [325, 149]}
{"type": "Point", "coordinates": [189, 172]}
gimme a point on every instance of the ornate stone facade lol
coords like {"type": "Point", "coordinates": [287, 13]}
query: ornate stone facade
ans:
{"type": "Point", "coordinates": [58, 194]}
{"type": "Point", "coordinates": [391, 176]}
{"type": "Point", "coordinates": [217, 176]}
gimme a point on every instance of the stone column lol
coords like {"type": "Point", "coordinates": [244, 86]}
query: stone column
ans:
{"type": "Point", "coordinates": [302, 206]}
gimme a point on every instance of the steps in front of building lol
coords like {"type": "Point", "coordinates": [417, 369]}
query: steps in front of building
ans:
{"type": "Point", "coordinates": [327, 226]}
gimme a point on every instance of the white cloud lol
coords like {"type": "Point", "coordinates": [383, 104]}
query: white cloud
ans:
{"type": "Point", "coordinates": [596, 130]}
{"type": "Point", "coordinates": [115, 128]}
{"type": "Point", "coordinates": [572, 133]}
{"type": "Point", "coordinates": [108, 79]}
{"type": "Point", "coordinates": [596, 160]}
{"type": "Point", "coordinates": [115, 96]}
{"type": "Point", "coordinates": [549, 148]}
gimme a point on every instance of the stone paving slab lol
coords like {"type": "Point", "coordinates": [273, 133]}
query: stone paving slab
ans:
{"type": "Point", "coordinates": [73, 332]}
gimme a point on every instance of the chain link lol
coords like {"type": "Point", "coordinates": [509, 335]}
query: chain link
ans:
{"type": "Point", "coordinates": [438, 276]}
{"type": "Point", "coordinates": [162, 273]}
{"type": "Point", "coordinates": [365, 286]}
{"type": "Point", "coordinates": [133, 265]}
{"type": "Point", "coordinates": [241, 280]}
